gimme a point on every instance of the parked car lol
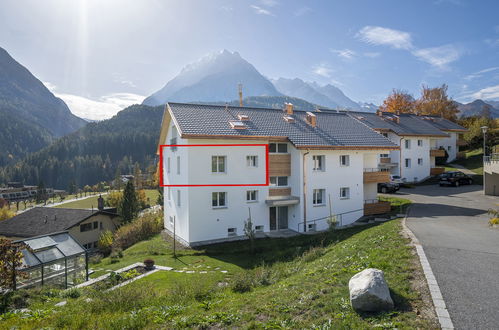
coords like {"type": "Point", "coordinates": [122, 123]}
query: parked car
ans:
{"type": "Point", "coordinates": [454, 178]}
{"type": "Point", "coordinates": [396, 179]}
{"type": "Point", "coordinates": [388, 187]}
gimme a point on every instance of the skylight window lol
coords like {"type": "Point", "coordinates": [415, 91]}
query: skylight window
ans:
{"type": "Point", "coordinates": [289, 119]}
{"type": "Point", "coordinates": [237, 124]}
{"type": "Point", "coordinates": [243, 117]}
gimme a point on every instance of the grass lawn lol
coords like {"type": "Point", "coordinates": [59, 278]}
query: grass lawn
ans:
{"type": "Point", "coordinates": [399, 205]}
{"type": "Point", "coordinates": [299, 282]}
{"type": "Point", "coordinates": [90, 202]}
{"type": "Point", "coordinates": [474, 162]}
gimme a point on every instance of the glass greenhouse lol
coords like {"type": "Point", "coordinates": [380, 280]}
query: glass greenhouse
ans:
{"type": "Point", "coordinates": [56, 260]}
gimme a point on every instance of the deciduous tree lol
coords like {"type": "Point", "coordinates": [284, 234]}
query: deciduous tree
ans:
{"type": "Point", "coordinates": [399, 101]}
{"type": "Point", "coordinates": [6, 213]}
{"type": "Point", "coordinates": [436, 102]}
{"type": "Point", "coordinates": [11, 262]}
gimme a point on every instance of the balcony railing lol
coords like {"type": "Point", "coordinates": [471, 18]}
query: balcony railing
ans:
{"type": "Point", "coordinates": [435, 152]}
{"type": "Point", "coordinates": [376, 175]}
{"type": "Point", "coordinates": [491, 158]}
{"type": "Point", "coordinates": [385, 160]}
{"type": "Point", "coordinates": [375, 206]}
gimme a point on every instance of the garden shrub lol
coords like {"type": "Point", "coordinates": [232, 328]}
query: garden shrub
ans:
{"type": "Point", "coordinates": [71, 293]}
{"type": "Point", "coordinates": [105, 243]}
{"type": "Point", "coordinates": [242, 282]}
{"type": "Point", "coordinates": [494, 221]}
{"type": "Point", "coordinates": [138, 230]}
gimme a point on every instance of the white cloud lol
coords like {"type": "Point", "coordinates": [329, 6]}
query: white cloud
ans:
{"type": "Point", "coordinates": [103, 108]}
{"type": "Point", "coordinates": [438, 57]}
{"type": "Point", "coordinates": [480, 73]}
{"type": "Point", "coordinates": [487, 93]}
{"type": "Point", "coordinates": [377, 35]}
{"type": "Point", "coordinates": [323, 70]}
{"type": "Point", "coordinates": [347, 54]}
{"type": "Point", "coordinates": [261, 11]}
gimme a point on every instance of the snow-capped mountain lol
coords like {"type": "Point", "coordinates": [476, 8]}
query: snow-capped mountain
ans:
{"type": "Point", "coordinates": [214, 78]}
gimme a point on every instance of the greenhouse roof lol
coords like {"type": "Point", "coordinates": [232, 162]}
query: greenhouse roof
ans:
{"type": "Point", "coordinates": [49, 248]}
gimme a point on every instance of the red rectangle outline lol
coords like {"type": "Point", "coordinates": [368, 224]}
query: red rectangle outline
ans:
{"type": "Point", "coordinates": [213, 145]}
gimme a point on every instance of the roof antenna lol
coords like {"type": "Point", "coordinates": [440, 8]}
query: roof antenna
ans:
{"type": "Point", "coordinates": [240, 87]}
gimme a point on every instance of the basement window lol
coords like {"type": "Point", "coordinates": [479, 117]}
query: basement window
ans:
{"type": "Point", "coordinates": [259, 229]}
{"type": "Point", "coordinates": [232, 231]}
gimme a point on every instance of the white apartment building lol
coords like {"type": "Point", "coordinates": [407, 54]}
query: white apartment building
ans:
{"type": "Point", "coordinates": [319, 164]}
{"type": "Point", "coordinates": [421, 140]}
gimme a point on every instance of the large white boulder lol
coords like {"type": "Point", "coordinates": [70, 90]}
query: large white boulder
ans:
{"type": "Point", "coordinates": [369, 291]}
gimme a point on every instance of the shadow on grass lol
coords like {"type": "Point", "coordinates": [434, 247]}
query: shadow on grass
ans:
{"type": "Point", "coordinates": [401, 304]}
{"type": "Point", "coordinates": [271, 250]}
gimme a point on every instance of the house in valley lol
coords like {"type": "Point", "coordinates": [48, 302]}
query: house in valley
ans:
{"type": "Point", "coordinates": [421, 141]}
{"type": "Point", "coordinates": [217, 172]}
{"type": "Point", "coordinates": [85, 226]}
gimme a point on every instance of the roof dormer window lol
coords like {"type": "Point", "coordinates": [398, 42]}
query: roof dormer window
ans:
{"type": "Point", "coordinates": [237, 124]}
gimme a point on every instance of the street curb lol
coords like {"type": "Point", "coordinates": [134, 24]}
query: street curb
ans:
{"type": "Point", "coordinates": [436, 295]}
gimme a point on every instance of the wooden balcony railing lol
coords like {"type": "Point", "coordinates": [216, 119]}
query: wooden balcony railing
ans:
{"type": "Point", "coordinates": [437, 170]}
{"type": "Point", "coordinates": [385, 160]}
{"type": "Point", "coordinates": [279, 192]}
{"type": "Point", "coordinates": [374, 206]}
{"type": "Point", "coordinates": [376, 175]}
{"type": "Point", "coordinates": [279, 164]}
{"type": "Point", "coordinates": [437, 153]}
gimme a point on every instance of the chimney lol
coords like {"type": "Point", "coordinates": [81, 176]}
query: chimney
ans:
{"type": "Point", "coordinates": [100, 203]}
{"type": "Point", "coordinates": [289, 108]}
{"type": "Point", "coordinates": [379, 113]}
{"type": "Point", "coordinates": [397, 112]}
{"type": "Point", "coordinates": [311, 119]}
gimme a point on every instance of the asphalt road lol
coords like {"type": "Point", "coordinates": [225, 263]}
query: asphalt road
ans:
{"type": "Point", "coordinates": [463, 251]}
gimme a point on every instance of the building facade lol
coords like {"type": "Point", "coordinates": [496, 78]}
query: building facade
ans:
{"type": "Point", "coordinates": [319, 164]}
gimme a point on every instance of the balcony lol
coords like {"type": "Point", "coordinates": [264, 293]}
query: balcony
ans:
{"type": "Point", "coordinates": [281, 197]}
{"type": "Point", "coordinates": [279, 165]}
{"type": "Point", "coordinates": [461, 143]}
{"type": "Point", "coordinates": [279, 192]}
{"type": "Point", "coordinates": [434, 152]}
{"type": "Point", "coordinates": [437, 170]}
{"type": "Point", "coordinates": [386, 162]}
{"type": "Point", "coordinates": [375, 206]}
{"type": "Point", "coordinates": [376, 175]}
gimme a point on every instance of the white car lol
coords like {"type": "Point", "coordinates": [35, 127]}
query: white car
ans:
{"type": "Point", "coordinates": [396, 179]}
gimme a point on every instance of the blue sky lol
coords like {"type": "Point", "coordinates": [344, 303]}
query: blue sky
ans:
{"type": "Point", "coordinates": [102, 55]}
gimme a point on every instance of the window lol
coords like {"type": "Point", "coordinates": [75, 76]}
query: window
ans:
{"type": "Point", "coordinates": [218, 164]}
{"type": "Point", "coordinates": [252, 161]}
{"type": "Point", "coordinates": [344, 193]}
{"type": "Point", "coordinates": [384, 156]}
{"type": "Point", "coordinates": [408, 162]}
{"type": "Point", "coordinates": [178, 197]}
{"type": "Point", "coordinates": [281, 148]}
{"type": "Point", "coordinates": [319, 196]}
{"type": "Point", "coordinates": [232, 231]}
{"type": "Point", "coordinates": [252, 195]}
{"type": "Point", "coordinates": [101, 225]}
{"type": "Point", "coordinates": [280, 181]}
{"type": "Point", "coordinates": [420, 143]}
{"type": "Point", "coordinates": [408, 144]}
{"type": "Point", "coordinates": [169, 194]}
{"type": "Point", "coordinates": [448, 148]}
{"type": "Point", "coordinates": [420, 161]}
{"type": "Point", "coordinates": [259, 229]}
{"type": "Point", "coordinates": [96, 224]}
{"type": "Point", "coordinates": [168, 165]}
{"type": "Point", "coordinates": [218, 199]}
{"type": "Point", "coordinates": [318, 163]}
{"type": "Point", "coordinates": [86, 227]}
{"type": "Point", "coordinates": [344, 160]}
{"type": "Point", "coordinates": [178, 164]}
{"type": "Point", "coordinates": [171, 221]}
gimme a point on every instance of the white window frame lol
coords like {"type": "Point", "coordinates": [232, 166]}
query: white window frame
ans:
{"type": "Point", "coordinates": [259, 228]}
{"type": "Point", "coordinates": [178, 198]}
{"type": "Point", "coordinates": [277, 148]}
{"type": "Point", "coordinates": [178, 164]}
{"type": "Point", "coordinates": [218, 206]}
{"type": "Point", "coordinates": [315, 197]}
{"type": "Point", "coordinates": [248, 196]}
{"type": "Point", "coordinates": [407, 163]}
{"type": "Point", "coordinates": [420, 161]}
{"type": "Point", "coordinates": [449, 148]}
{"type": "Point", "coordinates": [252, 161]}
{"type": "Point", "coordinates": [420, 143]}
{"type": "Point", "coordinates": [347, 160]}
{"type": "Point", "coordinates": [218, 164]}
{"type": "Point", "coordinates": [232, 231]}
{"type": "Point", "coordinates": [276, 184]}
{"type": "Point", "coordinates": [171, 220]}
{"type": "Point", "coordinates": [345, 195]}
{"type": "Point", "coordinates": [168, 165]}
{"type": "Point", "coordinates": [319, 163]}
{"type": "Point", "coordinates": [169, 193]}
{"type": "Point", "coordinates": [407, 144]}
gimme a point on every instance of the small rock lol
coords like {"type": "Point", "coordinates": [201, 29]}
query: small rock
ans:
{"type": "Point", "coordinates": [88, 300]}
{"type": "Point", "coordinates": [223, 271]}
{"type": "Point", "coordinates": [189, 271]}
{"type": "Point", "coordinates": [223, 284]}
{"type": "Point", "coordinates": [60, 304]}
{"type": "Point", "coordinates": [369, 291]}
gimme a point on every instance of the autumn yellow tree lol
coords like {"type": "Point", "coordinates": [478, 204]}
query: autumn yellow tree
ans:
{"type": "Point", "coordinates": [6, 213]}
{"type": "Point", "coordinates": [398, 101]}
{"type": "Point", "coordinates": [435, 102]}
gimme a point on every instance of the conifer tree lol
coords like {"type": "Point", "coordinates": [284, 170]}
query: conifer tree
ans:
{"type": "Point", "coordinates": [129, 207]}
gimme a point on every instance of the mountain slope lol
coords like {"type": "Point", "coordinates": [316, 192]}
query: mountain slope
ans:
{"type": "Point", "coordinates": [335, 94]}
{"type": "Point", "coordinates": [476, 107]}
{"type": "Point", "coordinates": [213, 78]}
{"type": "Point", "coordinates": [95, 152]}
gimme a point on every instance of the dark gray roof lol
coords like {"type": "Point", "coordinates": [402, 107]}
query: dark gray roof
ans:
{"type": "Point", "coordinates": [333, 129]}
{"type": "Point", "coordinates": [442, 123]}
{"type": "Point", "coordinates": [409, 124]}
{"type": "Point", "coordinates": [45, 220]}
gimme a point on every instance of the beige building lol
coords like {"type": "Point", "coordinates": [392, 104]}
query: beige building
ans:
{"type": "Point", "coordinates": [84, 225]}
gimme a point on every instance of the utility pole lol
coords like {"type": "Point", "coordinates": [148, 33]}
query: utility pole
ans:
{"type": "Point", "coordinates": [174, 238]}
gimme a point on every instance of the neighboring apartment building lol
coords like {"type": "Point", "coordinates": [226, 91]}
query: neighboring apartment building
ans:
{"type": "Point", "coordinates": [320, 163]}
{"type": "Point", "coordinates": [491, 175]}
{"type": "Point", "coordinates": [420, 139]}
{"type": "Point", "coordinates": [84, 225]}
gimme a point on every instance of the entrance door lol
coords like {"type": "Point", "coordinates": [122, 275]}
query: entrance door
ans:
{"type": "Point", "coordinates": [278, 217]}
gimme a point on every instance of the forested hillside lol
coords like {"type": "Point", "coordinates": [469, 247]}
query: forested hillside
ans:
{"type": "Point", "coordinates": [94, 153]}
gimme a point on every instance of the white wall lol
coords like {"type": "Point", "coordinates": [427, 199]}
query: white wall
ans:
{"type": "Point", "coordinates": [416, 172]}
